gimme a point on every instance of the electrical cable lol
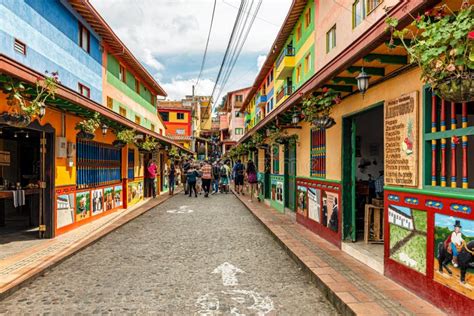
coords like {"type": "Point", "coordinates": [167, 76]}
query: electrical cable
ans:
{"type": "Point", "coordinates": [207, 44]}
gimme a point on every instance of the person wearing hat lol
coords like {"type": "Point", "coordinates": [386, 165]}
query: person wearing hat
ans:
{"type": "Point", "coordinates": [456, 242]}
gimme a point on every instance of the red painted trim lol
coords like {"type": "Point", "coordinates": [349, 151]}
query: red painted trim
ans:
{"type": "Point", "coordinates": [425, 285]}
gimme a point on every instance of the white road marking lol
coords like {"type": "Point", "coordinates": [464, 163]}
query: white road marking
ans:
{"type": "Point", "coordinates": [228, 272]}
{"type": "Point", "coordinates": [182, 210]}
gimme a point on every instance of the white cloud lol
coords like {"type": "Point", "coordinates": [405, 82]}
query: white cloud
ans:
{"type": "Point", "coordinates": [178, 88]}
{"type": "Point", "coordinates": [148, 58]}
{"type": "Point", "coordinates": [260, 61]}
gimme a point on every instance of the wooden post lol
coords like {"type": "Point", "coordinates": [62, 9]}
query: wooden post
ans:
{"type": "Point", "coordinates": [443, 144]}
{"type": "Point", "coordinates": [464, 146]}
{"type": "Point", "coordinates": [453, 146]}
{"type": "Point", "coordinates": [433, 142]}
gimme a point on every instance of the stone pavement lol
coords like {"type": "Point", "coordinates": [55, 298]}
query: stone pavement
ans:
{"type": "Point", "coordinates": [187, 256]}
{"type": "Point", "coordinates": [27, 259]}
{"type": "Point", "coordinates": [350, 285]}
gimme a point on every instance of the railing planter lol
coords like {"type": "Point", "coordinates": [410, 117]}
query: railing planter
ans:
{"type": "Point", "coordinates": [87, 127]}
{"type": "Point", "coordinates": [441, 42]}
{"type": "Point", "coordinates": [15, 119]}
{"type": "Point", "coordinates": [85, 135]}
{"type": "Point", "coordinates": [317, 109]}
{"type": "Point", "coordinates": [119, 143]}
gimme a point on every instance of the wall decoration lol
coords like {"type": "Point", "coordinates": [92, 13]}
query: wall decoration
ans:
{"type": "Point", "coordinates": [302, 200]}
{"type": "Point", "coordinates": [83, 205]}
{"type": "Point", "coordinates": [332, 210]}
{"type": "Point", "coordinates": [460, 208]}
{"type": "Point", "coordinates": [434, 204]}
{"type": "Point", "coordinates": [118, 196]}
{"type": "Point", "coordinates": [109, 198]}
{"type": "Point", "coordinates": [454, 253]}
{"type": "Point", "coordinates": [401, 141]}
{"type": "Point", "coordinates": [65, 210]}
{"type": "Point", "coordinates": [97, 201]}
{"type": "Point", "coordinates": [314, 204]}
{"type": "Point", "coordinates": [135, 192]}
{"type": "Point", "coordinates": [411, 200]}
{"type": "Point", "coordinates": [408, 237]}
{"type": "Point", "coordinates": [393, 197]}
{"type": "Point", "coordinates": [279, 192]}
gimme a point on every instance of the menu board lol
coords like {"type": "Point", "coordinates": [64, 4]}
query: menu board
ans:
{"type": "Point", "coordinates": [401, 140]}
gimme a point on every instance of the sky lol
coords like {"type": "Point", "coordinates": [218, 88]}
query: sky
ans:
{"type": "Point", "coordinates": [169, 37]}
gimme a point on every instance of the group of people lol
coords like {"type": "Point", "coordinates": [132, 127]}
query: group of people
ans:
{"type": "Point", "coordinates": [204, 177]}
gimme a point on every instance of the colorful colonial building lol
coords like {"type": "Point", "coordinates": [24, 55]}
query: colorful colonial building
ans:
{"type": "Point", "coordinates": [392, 167]}
{"type": "Point", "coordinates": [177, 118]}
{"type": "Point", "coordinates": [68, 177]}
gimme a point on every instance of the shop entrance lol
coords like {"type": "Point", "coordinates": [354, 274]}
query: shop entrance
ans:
{"type": "Point", "coordinates": [290, 176]}
{"type": "Point", "coordinates": [26, 165]}
{"type": "Point", "coordinates": [363, 163]}
{"type": "Point", "coordinates": [267, 164]}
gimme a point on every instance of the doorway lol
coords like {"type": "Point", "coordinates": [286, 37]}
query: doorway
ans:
{"type": "Point", "coordinates": [266, 179]}
{"type": "Point", "coordinates": [363, 163]}
{"type": "Point", "coordinates": [26, 182]}
{"type": "Point", "coordinates": [290, 175]}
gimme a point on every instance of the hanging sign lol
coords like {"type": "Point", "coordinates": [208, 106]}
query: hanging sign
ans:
{"type": "Point", "coordinates": [401, 140]}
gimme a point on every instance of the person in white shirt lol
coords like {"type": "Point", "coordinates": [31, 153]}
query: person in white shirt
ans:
{"type": "Point", "coordinates": [456, 242]}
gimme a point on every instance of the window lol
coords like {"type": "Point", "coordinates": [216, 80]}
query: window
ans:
{"type": "Point", "coordinates": [358, 12]}
{"type": "Point", "coordinates": [153, 100]}
{"type": "Point", "coordinates": [165, 116]}
{"type": "Point", "coordinates": [237, 114]}
{"type": "Point", "coordinates": [161, 131]}
{"type": "Point", "coordinates": [331, 39]}
{"type": "Point", "coordinates": [180, 116]}
{"type": "Point", "coordinates": [307, 63]}
{"type": "Point", "coordinates": [131, 163]}
{"type": "Point", "coordinates": [238, 98]}
{"type": "Point", "coordinates": [298, 73]}
{"type": "Point", "coordinates": [318, 153]}
{"type": "Point", "coordinates": [449, 146]}
{"type": "Point", "coordinates": [19, 47]}
{"type": "Point", "coordinates": [137, 86]}
{"type": "Point", "coordinates": [123, 111]}
{"type": "Point", "coordinates": [84, 38]}
{"type": "Point", "coordinates": [298, 32]}
{"type": "Point", "coordinates": [122, 73]}
{"type": "Point", "coordinates": [276, 159]}
{"type": "Point", "coordinates": [138, 119]}
{"type": "Point", "coordinates": [110, 103]}
{"type": "Point", "coordinates": [239, 131]}
{"type": "Point", "coordinates": [307, 18]}
{"type": "Point", "coordinates": [85, 91]}
{"type": "Point", "coordinates": [152, 127]}
{"type": "Point", "coordinates": [372, 4]}
{"type": "Point", "coordinates": [180, 131]}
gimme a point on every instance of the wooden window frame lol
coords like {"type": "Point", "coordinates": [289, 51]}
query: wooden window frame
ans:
{"type": "Point", "coordinates": [364, 12]}
{"type": "Point", "coordinates": [81, 44]}
{"type": "Point", "coordinates": [138, 120]}
{"type": "Point", "coordinates": [276, 159]}
{"type": "Point", "coordinates": [152, 127]}
{"type": "Point", "coordinates": [84, 88]}
{"type": "Point", "coordinates": [307, 63]}
{"type": "Point", "coordinates": [178, 116]}
{"type": "Point", "coordinates": [122, 73]}
{"type": "Point", "coordinates": [318, 153]}
{"type": "Point", "coordinates": [20, 43]}
{"type": "Point", "coordinates": [307, 18]}
{"type": "Point", "coordinates": [123, 111]}
{"type": "Point", "coordinates": [137, 86]}
{"type": "Point", "coordinates": [110, 102]}
{"type": "Point", "coordinates": [299, 32]}
{"type": "Point", "coordinates": [298, 73]}
{"type": "Point", "coordinates": [369, 10]}
{"type": "Point", "coordinates": [332, 30]}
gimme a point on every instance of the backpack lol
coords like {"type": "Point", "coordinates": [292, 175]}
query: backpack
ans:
{"type": "Point", "coordinates": [215, 171]}
{"type": "Point", "coordinates": [223, 172]}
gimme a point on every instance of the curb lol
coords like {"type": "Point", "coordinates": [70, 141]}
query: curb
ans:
{"type": "Point", "coordinates": [332, 297]}
{"type": "Point", "coordinates": [47, 266]}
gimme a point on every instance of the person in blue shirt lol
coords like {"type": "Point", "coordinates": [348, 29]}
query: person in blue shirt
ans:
{"type": "Point", "coordinates": [191, 177]}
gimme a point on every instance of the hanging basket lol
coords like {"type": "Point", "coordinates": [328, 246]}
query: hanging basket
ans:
{"type": "Point", "coordinates": [85, 135]}
{"type": "Point", "coordinates": [15, 120]}
{"type": "Point", "coordinates": [457, 89]}
{"type": "Point", "coordinates": [119, 143]}
{"type": "Point", "coordinates": [324, 122]}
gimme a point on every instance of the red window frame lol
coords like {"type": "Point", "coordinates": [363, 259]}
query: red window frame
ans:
{"type": "Point", "coordinates": [82, 28]}
{"type": "Point", "coordinates": [82, 89]}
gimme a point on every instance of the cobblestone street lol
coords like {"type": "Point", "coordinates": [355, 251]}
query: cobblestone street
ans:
{"type": "Point", "coordinates": [186, 256]}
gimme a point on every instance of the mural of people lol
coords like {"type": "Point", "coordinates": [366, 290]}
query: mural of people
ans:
{"type": "Point", "coordinates": [118, 196]}
{"type": "Point", "coordinates": [97, 201]}
{"type": "Point", "coordinates": [302, 201]}
{"type": "Point", "coordinates": [83, 205]}
{"type": "Point", "coordinates": [109, 198]}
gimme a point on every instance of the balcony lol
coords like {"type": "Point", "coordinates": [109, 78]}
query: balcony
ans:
{"type": "Point", "coordinates": [285, 63]}
{"type": "Point", "coordinates": [284, 93]}
{"type": "Point", "coordinates": [261, 100]}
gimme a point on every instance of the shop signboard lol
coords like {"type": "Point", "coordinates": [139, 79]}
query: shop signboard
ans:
{"type": "Point", "coordinates": [401, 140]}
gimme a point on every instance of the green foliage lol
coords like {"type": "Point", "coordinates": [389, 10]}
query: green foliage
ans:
{"type": "Point", "coordinates": [173, 152]}
{"type": "Point", "coordinates": [440, 41]}
{"type": "Point", "coordinates": [89, 125]}
{"type": "Point", "coordinates": [258, 139]}
{"type": "Point", "coordinates": [419, 218]}
{"type": "Point", "coordinates": [318, 106]}
{"type": "Point", "coordinates": [148, 144]}
{"type": "Point", "coordinates": [415, 249]}
{"type": "Point", "coordinates": [126, 135]}
{"type": "Point", "coordinates": [397, 233]}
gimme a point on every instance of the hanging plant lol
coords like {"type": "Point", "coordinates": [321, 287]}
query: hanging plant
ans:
{"type": "Point", "coordinates": [27, 103]}
{"type": "Point", "coordinates": [441, 42]}
{"type": "Point", "coordinates": [149, 144]}
{"type": "Point", "coordinates": [258, 139]}
{"type": "Point", "coordinates": [88, 127]}
{"type": "Point", "coordinates": [173, 153]}
{"type": "Point", "coordinates": [317, 109]}
{"type": "Point", "coordinates": [124, 136]}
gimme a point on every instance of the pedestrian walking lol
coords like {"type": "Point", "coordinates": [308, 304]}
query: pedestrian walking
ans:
{"type": "Point", "coordinates": [171, 177]}
{"type": "Point", "coordinates": [216, 168]}
{"type": "Point", "coordinates": [225, 176]}
{"type": "Point", "coordinates": [150, 177]}
{"type": "Point", "coordinates": [186, 166]}
{"type": "Point", "coordinates": [192, 175]}
{"type": "Point", "coordinates": [252, 177]}
{"type": "Point", "coordinates": [206, 171]}
{"type": "Point", "coordinates": [199, 179]}
{"type": "Point", "coordinates": [239, 173]}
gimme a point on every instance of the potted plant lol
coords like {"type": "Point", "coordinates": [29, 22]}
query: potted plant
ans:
{"type": "Point", "coordinates": [317, 108]}
{"type": "Point", "coordinates": [441, 42]}
{"type": "Point", "coordinates": [27, 102]}
{"type": "Point", "coordinates": [87, 127]}
{"type": "Point", "coordinates": [149, 144]}
{"type": "Point", "coordinates": [124, 136]}
{"type": "Point", "coordinates": [173, 153]}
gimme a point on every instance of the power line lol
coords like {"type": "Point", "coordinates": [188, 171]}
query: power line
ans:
{"type": "Point", "coordinates": [248, 12]}
{"type": "Point", "coordinates": [207, 43]}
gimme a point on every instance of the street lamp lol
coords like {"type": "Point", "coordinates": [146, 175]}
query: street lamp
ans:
{"type": "Point", "coordinates": [295, 119]}
{"type": "Point", "coordinates": [363, 81]}
{"type": "Point", "coordinates": [104, 129]}
{"type": "Point", "coordinates": [42, 110]}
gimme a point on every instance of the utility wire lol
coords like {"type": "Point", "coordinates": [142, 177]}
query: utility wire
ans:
{"type": "Point", "coordinates": [248, 12]}
{"type": "Point", "coordinates": [207, 43]}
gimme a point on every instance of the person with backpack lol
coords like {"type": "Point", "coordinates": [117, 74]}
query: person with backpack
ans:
{"type": "Point", "coordinates": [252, 177]}
{"type": "Point", "coordinates": [224, 176]}
{"type": "Point", "coordinates": [216, 168]}
{"type": "Point", "coordinates": [192, 176]}
{"type": "Point", "coordinates": [239, 172]}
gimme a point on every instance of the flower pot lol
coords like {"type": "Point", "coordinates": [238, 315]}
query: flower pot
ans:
{"type": "Point", "coordinates": [15, 120]}
{"type": "Point", "coordinates": [324, 122]}
{"type": "Point", "coordinates": [119, 143]}
{"type": "Point", "coordinates": [85, 135]}
{"type": "Point", "coordinates": [457, 89]}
